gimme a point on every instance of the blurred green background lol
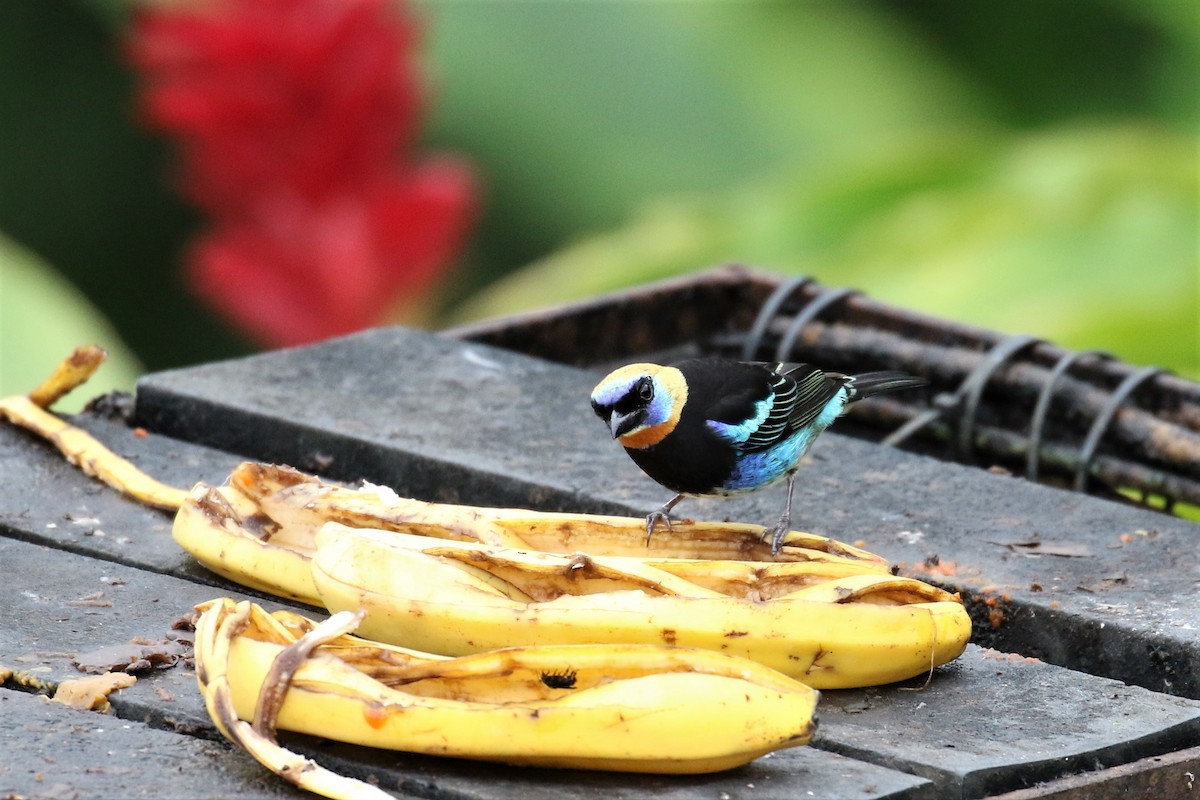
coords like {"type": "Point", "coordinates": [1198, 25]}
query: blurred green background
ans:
{"type": "Point", "coordinates": [1028, 166]}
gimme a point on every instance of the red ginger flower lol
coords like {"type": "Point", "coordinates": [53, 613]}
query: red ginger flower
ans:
{"type": "Point", "coordinates": [289, 115]}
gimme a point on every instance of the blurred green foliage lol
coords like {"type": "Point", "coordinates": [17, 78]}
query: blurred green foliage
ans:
{"type": "Point", "coordinates": [89, 193]}
{"type": "Point", "coordinates": [1027, 166]}
{"type": "Point", "coordinates": [30, 348]}
{"type": "Point", "coordinates": [1082, 236]}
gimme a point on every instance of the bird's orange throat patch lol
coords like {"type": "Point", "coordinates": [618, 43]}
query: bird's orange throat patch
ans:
{"type": "Point", "coordinates": [672, 394]}
{"type": "Point", "coordinates": [647, 437]}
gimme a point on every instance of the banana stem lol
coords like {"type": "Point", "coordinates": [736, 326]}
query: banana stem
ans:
{"type": "Point", "coordinates": [70, 373]}
{"type": "Point", "coordinates": [79, 447]}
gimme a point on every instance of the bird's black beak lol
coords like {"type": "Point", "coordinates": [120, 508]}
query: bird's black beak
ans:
{"type": "Point", "coordinates": [621, 424]}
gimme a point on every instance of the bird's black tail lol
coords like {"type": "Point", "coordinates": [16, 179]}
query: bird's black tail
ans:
{"type": "Point", "coordinates": [873, 383]}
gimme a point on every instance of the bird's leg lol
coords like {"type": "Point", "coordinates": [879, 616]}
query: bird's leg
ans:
{"type": "Point", "coordinates": [781, 528]}
{"type": "Point", "coordinates": [661, 515]}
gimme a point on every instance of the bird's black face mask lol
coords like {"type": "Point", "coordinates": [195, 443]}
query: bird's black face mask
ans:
{"type": "Point", "coordinates": [629, 412]}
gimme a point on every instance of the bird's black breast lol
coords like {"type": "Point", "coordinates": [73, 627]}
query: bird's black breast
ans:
{"type": "Point", "coordinates": [689, 461]}
{"type": "Point", "coordinates": [692, 459]}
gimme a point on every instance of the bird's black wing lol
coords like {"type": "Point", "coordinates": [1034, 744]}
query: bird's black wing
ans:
{"type": "Point", "coordinates": [758, 404]}
{"type": "Point", "coordinates": [726, 391]}
{"type": "Point", "coordinates": [800, 393]}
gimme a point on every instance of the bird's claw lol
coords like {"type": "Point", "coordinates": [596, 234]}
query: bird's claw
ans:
{"type": "Point", "coordinates": [652, 520]}
{"type": "Point", "coordinates": [777, 533]}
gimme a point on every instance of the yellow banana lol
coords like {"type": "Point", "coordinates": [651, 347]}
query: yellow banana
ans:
{"type": "Point", "coordinates": [858, 630]}
{"type": "Point", "coordinates": [617, 707]}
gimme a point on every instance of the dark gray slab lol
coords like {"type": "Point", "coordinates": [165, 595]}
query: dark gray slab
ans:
{"type": "Point", "coordinates": [446, 420]}
{"type": "Point", "coordinates": [55, 605]}
{"type": "Point", "coordinates": [67, 603]}
{"type": "Point", "coordinates": [904, 506]}
{"type": "Point", "coordinates": [1123, 603]}
{"type": "Point", "coordinates": [1168, 776]}
{"type": "Point", "coordinates": [429, 416]}
{"type": "Point", "coordinates": [992, 722]}
{"type": "Point", "coordinates": [801, 772]}
{"type": "Point", "coordinates": [50, 751]}
{"type": "Point", "coordinates": [48, 501]}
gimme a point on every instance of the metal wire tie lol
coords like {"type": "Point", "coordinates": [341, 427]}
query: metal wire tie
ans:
{"type": "Point", "coordinates": [1041, 409]}
{"type": "Point", "coordinates": [824, 300]}
{"type": "Point", "coordinates": [1088, 452]}
{"type": "Point", "coordinates": [769, 309]}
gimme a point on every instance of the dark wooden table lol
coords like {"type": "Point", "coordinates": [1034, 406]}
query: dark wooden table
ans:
{"type": "Point", "coordinates": [1083, 682]}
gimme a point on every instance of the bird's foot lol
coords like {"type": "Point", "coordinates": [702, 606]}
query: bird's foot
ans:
{"type": "Point", "coordinates": [777, 533]}
{"type": "Point", "coordinates": [652, 520]}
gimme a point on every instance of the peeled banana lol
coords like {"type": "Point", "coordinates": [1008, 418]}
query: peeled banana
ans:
{"type": "Point", "coordinates": [630, 707]}
{"type": "Point", "coordinates": [457, 579]}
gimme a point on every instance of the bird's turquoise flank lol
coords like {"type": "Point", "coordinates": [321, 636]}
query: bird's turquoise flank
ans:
{"type": "Point", "coordinates": [756, 470]}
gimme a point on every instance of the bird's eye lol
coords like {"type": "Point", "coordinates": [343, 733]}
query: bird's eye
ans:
{"type": "Point", "coordinates": [645, 389]}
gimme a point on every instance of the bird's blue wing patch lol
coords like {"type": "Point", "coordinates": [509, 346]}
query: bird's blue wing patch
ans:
{"type": "Point", "coordinates": [737, 433]}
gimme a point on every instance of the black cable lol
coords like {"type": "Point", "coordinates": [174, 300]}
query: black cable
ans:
{"type": "Point", "coordinates": [1104, 419]}
{"type": "Point", "coordinates": [806, 315]}
{"type": "Point", "coordinates": [976, 381]}
{"type": "Point", "coordinates": [1041, 409]}
{"type": "Point", "coordinates": [966, 396]}
{"type": "Point", "coordinates": [769, 309]}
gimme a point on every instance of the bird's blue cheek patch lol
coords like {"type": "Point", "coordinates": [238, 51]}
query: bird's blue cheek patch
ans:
{"type": "Point", "coordinates": [659, 410]}
{"type": "Point", "coordinates": [658, 421]}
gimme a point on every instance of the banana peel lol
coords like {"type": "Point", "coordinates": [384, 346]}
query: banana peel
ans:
{"type": "Point", "coordinates": [683, 651]}
{"type": "Point", "coordinates": [641, 708]}
{"type": "Point", "coordinates": [858, 630]}
{"type": "Point", "coordinates": [260, 530]}
{"type": "Point", "coordinates": [862, 626]}
{"type": "Point", "coordinates": [456, 579]}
